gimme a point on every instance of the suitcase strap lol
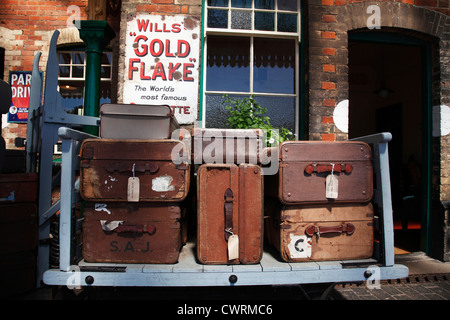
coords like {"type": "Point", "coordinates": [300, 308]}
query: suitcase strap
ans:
{"type": "Point", "coordinates": [329, 167]}
{"type": "Point", "coordinates": [343, 228]}
{"type": "Point", "coordinates": [228, 208]}
{"type": "Point", "coordinates": [120, 227]}
{"type": "Point", "coordinates": [127, 167]}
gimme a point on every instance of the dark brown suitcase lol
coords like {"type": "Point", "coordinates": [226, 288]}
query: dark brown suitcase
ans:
{"type": "Point", "coordinates": [227, 145]}
{"type": "Point", "coordinates": [133, 232]}
{"type": "Point", "coordinates": [18, 227]}
{"type": "Point", "coordinates": [320, 232]}
{"type": "Point", "coordinates": [229, 203]}
{"type": "Point", "coordinates": [305, 167]}
{"type": "Point", "coordinates": [18, 187]}
{"type": "Point", "coordinates": [108, 166]}
{"type": "Point", "coordinates": [133, 121]}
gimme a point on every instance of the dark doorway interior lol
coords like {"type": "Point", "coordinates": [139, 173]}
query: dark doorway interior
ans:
{"type": "Point", "coordinates": [385, 94]}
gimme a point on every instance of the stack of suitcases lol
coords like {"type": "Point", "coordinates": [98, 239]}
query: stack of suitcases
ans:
{"type": "Point", "coordinates": [318, 206]}
{"type": "Point", "coordinates": [230, 196]}
{"type": "Point", "coordinates": [132, 188]}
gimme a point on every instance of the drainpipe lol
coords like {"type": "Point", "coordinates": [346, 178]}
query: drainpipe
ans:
{"type": "Point", "coordinates": [96, 34]}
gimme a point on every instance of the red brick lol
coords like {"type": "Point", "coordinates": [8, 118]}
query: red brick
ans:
{"type": "Point", "coordinates": [328, 85]}
{"type": "Point", "coordinates": [328, 2]}
{"type": "Point", "coordinates": [167, 8]}
{"type": "Point", "coordinates": [327, 120]}
{"type": "Point", "coordinates": [329, 51]}
{"type": "Point", "coordinates": [328, 137]}
{"type": "Point", "coordinates": [328, 35]}
{"type": "Point", "coordinates": [340, 2]}
{"type": "Point", "coordinates": [328, 68]}
{"type": "Point", "coordinates": [327, 18]}
{"type": "Point", "coordinates": [329, 102]}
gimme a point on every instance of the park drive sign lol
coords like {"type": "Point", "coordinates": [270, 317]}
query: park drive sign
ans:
{"type": "Point", "coordinates": [162, 63]}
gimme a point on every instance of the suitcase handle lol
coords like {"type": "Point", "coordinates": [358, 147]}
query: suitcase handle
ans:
{"type": "Point", "coordinates": [319, 168]}
{"type": "Point", "coordinates": [139, 228]}
{"type": "Point", "coordinates": [140, 167]}
{"type": "Point", "coordinates": [346, 227]}
{"type": "Point", "coordinates": [228, 208]}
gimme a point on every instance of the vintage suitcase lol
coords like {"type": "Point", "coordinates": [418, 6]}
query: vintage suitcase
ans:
{"type": "Point", "coordinates": [134, 170]}
{"type": "Point", "coordinates": [320, 232]}
{"type": "Point", "coordinates": [324, 172]}
{"type": "Point", "coordinates": [18, 227]}
{"type": "Point", "coordinates": [18, 187]}
{"type": "Point", "coordinates": [133, 121]}
{"type": "Point", "coordinates": [229, 214]}
{"type": "Point", "coordinates": [227, 145]}
{"type": "Point", "coordinates": [133, 232]}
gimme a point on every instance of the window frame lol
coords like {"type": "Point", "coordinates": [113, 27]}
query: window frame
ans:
{"type": "Point", "coordinates": [80, 49]}
{"type": "Point", "coordinates": [251, 34]}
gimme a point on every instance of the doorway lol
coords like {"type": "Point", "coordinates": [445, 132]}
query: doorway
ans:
{"type": "Point", "coordinates": [388, 93]}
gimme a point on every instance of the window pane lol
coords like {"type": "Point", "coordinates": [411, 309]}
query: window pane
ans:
{"type": "Point", "coordinates": [274, 65]}
{"type": "Point", "coordinates": [64, 71]}
{"type": "Point", "coordinates": [290, 5]}
{"type": "Point", "coordinates": [216, 114]}
{"type": "Point", "coordinates": [218, 3]}
{"type": "Point", "coordinates": [281, 110]}
{"type": "Point", "coordinates": [228, 66]}
{"type": "Point", "coordinates": [106, 58]}
{"type": "Point", "coordinates": [265, 4]}
{"type": "Point", "coordinates": [264, 21]}
{"type": "Point", "coordinates": [64, 58]}
{"type": "Point", "coordinates": [241, 20]}
{"type": "Point", "coordinates": [77, 71]}
{"type": "Point", "coordinates": [241, 3]}
{"type": "Point", "coordinates": [217, 18]}
{"type": "Point", "coordinates": [78, 58]}
{"type": "Point", "coordinates": [105, 72]}
{"type": "Point", "coordinates": [287, 22]}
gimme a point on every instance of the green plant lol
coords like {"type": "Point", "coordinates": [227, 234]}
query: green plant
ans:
{"type": "Point", "coordinates": [247, 113]}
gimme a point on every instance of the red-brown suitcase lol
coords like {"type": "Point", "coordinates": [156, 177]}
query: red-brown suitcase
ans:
{"type": "Point", "coordinates": [305, 166]}
{"type": "Point", "coordinates": [133, 232]}
{"type": "Point", "coordinates": [160, 170]}
{"type": "Point", "coordinates": [320, 232]}
{"type": "Point", "coordinates": [133, 121]}
{"type": "Point", "coordinates": [226, 145]}
{"type": "Point", "coordinates": [229, 203]}
{"type": "Point", "coordinates": [18, 227]}
{"type": "Point", "coordinates": [18, 187]}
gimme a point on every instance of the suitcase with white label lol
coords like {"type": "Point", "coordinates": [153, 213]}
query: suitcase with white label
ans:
{"type": "Point", "coordinates": [324, 172]}
{"type": "Point", "coordinates": [229, 214]}
{"type": "Point", "coordinates": [133, 232]}
{"type": "Point", "coordinates": [134, 170]}
{"type": "Point", "coordinates": [320, 232]}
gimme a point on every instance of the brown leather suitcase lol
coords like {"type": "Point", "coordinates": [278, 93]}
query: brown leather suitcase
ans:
{"type": "Point", "coordinates": [133, 121]}
{"type": "Point", "coordinates": [229, 214]}
{"type": "Point", "coordinates": [134, 170]}
{"type": "Point", "coordinates": [133, 232]}
{"type": "Point", "coordinates": [226, 145]}
{"type": "Point", "coordinates": [324, 172]}
{"type": "Point", "coordinates": [320, 232]}
{"type": "Point", "coordinates": [18, 187]}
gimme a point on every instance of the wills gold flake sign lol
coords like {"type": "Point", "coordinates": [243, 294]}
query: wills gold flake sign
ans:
{"type": "Point", "coordinates": [162, 61]}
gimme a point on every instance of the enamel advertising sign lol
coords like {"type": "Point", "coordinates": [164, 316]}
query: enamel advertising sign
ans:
{"type": "Point", "coordinates": [20, 82]}
{"type": "Point", "coordinates": [162, 63]}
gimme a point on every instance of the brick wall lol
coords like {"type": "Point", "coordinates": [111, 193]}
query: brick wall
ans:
{"type": "Point", "coordinates": [25, 28]}
{"type": "Point", "coordinates": [328, 24]}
